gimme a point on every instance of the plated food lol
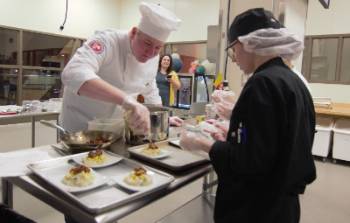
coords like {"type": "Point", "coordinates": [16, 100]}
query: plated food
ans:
{"type": "Point", "coordinates": [95, 157]}
{"type": "Point", "coordinates": [79, 176]}
{"type": "Point", "coordinates": [138, 177]}
{"type": "Point", "coordinates": [151, 150]}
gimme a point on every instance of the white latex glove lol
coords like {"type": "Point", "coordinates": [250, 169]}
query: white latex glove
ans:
{"type": "Point", "coordinates": [221, 95]}
{"type": "Point", "coordinates": [176, 121]}
{"type": "Point", "coordinates": [137, 116]}
{"type": "Point", "coordinates": [216, 96]}
{"type": "Point", "coordinates": [229, 96]}
{"type": "Point", "coordinates": [194, 142]}
{"type": "Point", "coordinates": [206, 129]}
{"type": "Point", "coordinates": [221, 129]}
{"type": "Point", "coordinates": [224, 109]}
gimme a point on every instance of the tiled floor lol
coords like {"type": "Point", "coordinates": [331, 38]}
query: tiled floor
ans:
{"type": "Point", "coordinates": [326, 200]}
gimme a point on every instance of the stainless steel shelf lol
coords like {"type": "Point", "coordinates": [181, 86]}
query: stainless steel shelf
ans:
{"type": "Point", "coordinates": [198, 210]}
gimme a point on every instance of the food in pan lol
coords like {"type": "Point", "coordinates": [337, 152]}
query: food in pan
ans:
{"type": "Point", "coordinates": [95, 157]}
{"type": "Point", "coordinates": [138, 177]}
{"type": "Point", "coordinates": [79, 176]}
{"type": "Point", "coordinates": [151, 150]}
{"type": "Point", "coordinates": [98, 140]}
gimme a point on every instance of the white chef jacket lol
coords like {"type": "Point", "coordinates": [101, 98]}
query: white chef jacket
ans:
{"type": "Point", "coordinates": [113, 62]}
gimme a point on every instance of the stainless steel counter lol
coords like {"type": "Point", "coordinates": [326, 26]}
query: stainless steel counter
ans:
{"type": "Point", "coordinates": [28, 184]}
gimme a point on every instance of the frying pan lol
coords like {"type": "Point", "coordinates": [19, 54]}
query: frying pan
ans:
{"type": "Point", "coordinates": [84, 140]}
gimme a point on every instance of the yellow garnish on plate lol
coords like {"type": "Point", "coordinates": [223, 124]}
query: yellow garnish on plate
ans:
{"type": "Point", "coordinates": [80, 176]}
{"type": "Point", "coordinates": [138, 177]}
{"type": "Point", "coordinates": [95, 157]}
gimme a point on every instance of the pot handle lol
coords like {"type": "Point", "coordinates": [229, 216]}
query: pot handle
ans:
{"type": "Point", "coordinates": [52, 125]}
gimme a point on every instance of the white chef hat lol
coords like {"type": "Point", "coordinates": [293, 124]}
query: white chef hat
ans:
{"type": "Point", "coordinates": [157, 21]}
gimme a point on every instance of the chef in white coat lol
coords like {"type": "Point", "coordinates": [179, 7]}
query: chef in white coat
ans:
{"type": "Point", "coordinates": [112, 67]}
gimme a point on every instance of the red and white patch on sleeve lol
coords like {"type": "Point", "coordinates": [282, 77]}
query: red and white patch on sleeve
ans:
{"type": "Point", "coordinates": [97, 46]}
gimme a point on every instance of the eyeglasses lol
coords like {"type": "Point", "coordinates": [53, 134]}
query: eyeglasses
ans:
{"type": "Point", "coordinates": [231, 45]}
{"type": "Point", "coordinates": [229, 50]}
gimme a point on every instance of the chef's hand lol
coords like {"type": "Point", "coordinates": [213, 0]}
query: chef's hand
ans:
{"type": "Point", "coordinates": [137, 116]}
{"type": "Point", "coordinates": [176, 121]}
{"type": "Point", "coordinates": [193, 142]}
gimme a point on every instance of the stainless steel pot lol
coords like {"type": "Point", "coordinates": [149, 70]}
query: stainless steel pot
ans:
{"type": "Point", "coordinates": [159, 118]}
{"type": "Point", "coordinates": [159, 123]}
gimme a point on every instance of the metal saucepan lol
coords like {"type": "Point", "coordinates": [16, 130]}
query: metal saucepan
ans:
{"type": "Point", "coordinates": [84, 140]}
{"type": "Point", "coordinates": [159, 118]}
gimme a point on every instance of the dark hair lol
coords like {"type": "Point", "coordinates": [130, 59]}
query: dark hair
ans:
{"type": "Point", "coordinates": [168, 70]}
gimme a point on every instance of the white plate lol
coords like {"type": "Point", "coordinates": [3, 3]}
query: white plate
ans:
{"type": "Point", "coordinates": [120, 181]}
{"type": "Point", "coordinates": [163, 153]}
{"type": "Point", "coordinates": [110, 160]}
{"type": "Point", "coordinates": [175, 142]}
{"type": "Point", "coordinates": [55, 176]}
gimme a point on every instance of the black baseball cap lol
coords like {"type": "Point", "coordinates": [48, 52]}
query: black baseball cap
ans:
{"type": "Point", "coordinates": [252, 20]}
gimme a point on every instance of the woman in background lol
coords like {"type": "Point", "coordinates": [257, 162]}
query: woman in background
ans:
{"type": "Point", "coordinates": [167, 80]}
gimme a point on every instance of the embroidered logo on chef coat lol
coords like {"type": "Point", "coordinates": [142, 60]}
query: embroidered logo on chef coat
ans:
{"type": "Point", "coordinates": [96, 46]}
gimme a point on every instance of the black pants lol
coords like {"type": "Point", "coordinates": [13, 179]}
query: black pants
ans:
{"type": "Point", "coordinates": [10, 216]}
{"type": "Point", "coordinates": [68, 219]}
{"type": "Point", "coordinates": [283, 209]}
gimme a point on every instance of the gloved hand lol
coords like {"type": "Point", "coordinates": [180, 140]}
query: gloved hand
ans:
{"type": "Point", "coordinates": [176, 121]}
{"type": "Point", "coordinates": [205, 129]}
{"type": "Point", "coordinates": [221, 95]}
{"type": "Point", "coordinates": [224, 109]}
{"type": "Point", "coordinates": [221, 129]}
{"type": "Point", "coordinates": [194, 142]}
{"type": "Point", "coordinates": [137, 116]}
{"type": "Point", "coordinates": [224, 102]}
{"type": "Point", "coordinates": [216, 96]}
